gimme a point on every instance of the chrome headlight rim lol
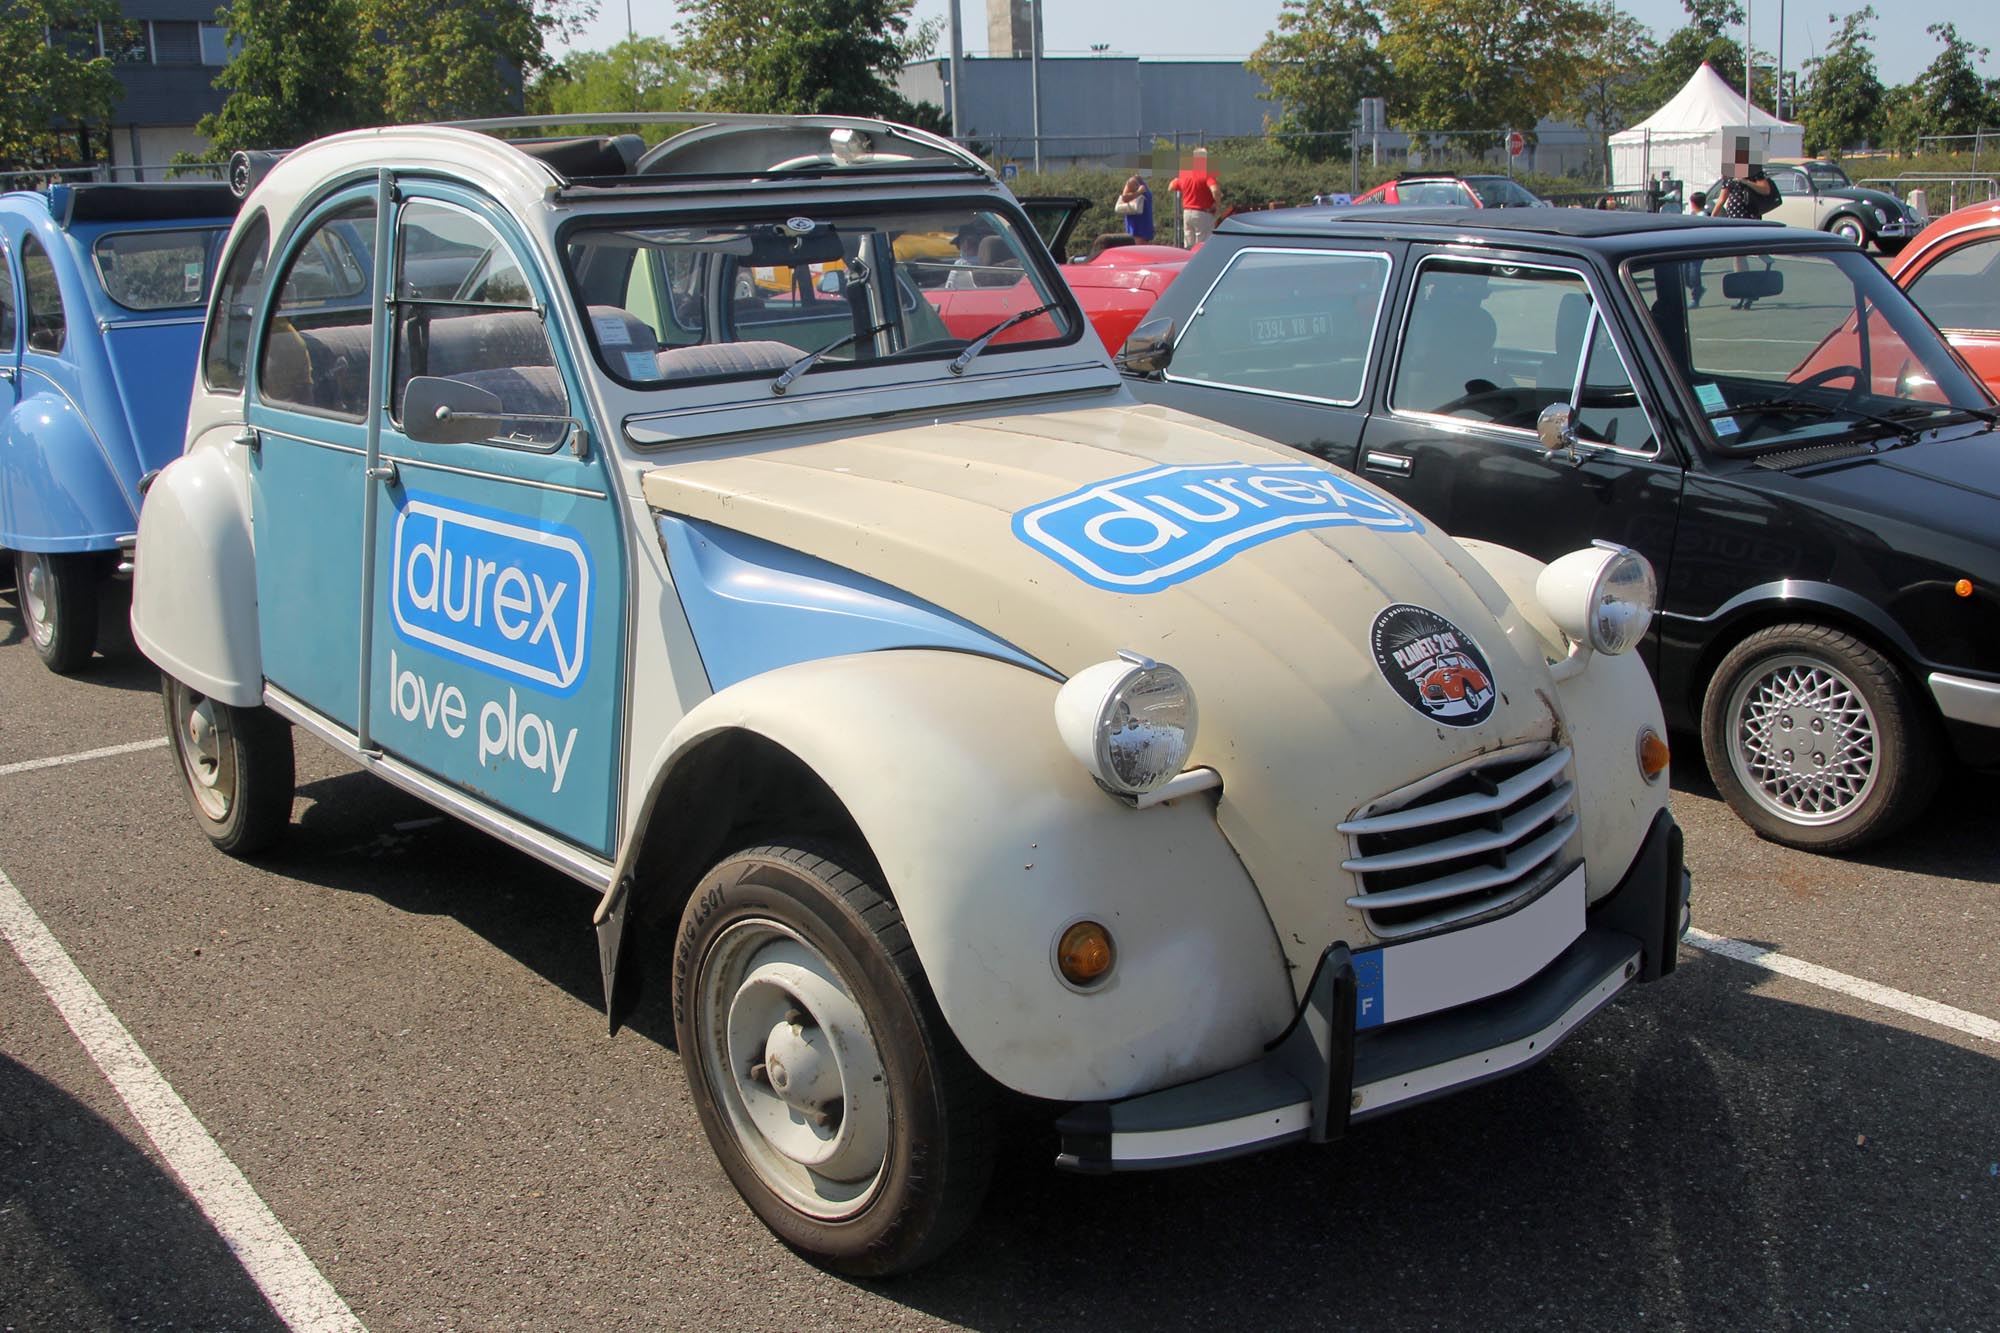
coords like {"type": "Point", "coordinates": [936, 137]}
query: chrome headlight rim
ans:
{"type": "Point", "coordinates": [1575, 589]}
{"type": "Point", "coordinates": [1087, 706]}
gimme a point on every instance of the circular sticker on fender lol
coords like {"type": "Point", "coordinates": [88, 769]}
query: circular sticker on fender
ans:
{"type": "Point", "coordinates": [1433, 665]}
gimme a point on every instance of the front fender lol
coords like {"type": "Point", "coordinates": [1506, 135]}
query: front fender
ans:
{"type": "Point", "coordinates": [194, 584]}
{"type": "Point", "coordinates": [992, 840]}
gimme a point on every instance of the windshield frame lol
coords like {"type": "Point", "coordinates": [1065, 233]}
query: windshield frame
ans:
{"type": "Point", "coordinates": [1075, 324]}
{"type": "Point", "coordinates": [1679, 383]}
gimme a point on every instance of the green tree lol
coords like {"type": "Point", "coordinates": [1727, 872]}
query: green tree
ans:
{"type": "Point", "coordinates": [293, 77]}
{"type": "Point", "coordinates": [446, 59]}
{"type": "Point", "coordinates": [1843, 101]}
{"type": "Point", "coordinates": [803, 56]}
{"type": "Point", "coordinates": [1318, 63]}
{"type": "Point", "coordinates": [1705, 40]}
{"type": "Point", "coordinates": [1608, 73]}
{"type": "Point", "coordinates": [1952, 97]}
{"type": "Point", "coordinates": [49, 80]}
{"type": "Point", "coordinates": [638, 74]}
{"type": "Point", "coordinates": [1472, 65]}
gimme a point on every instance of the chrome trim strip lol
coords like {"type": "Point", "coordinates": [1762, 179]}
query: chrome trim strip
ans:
{"type": "Point", "coordinates": [403, 460]}
{"type": "Point", "coordinates": [317, 444]}
{"type": "Point", "coordinates": [1462, 807]}
{"type": "Point", "coordinates": [1478, 1066]}
{"type": "Point", "coordinates": [1516, 866]}
{"type": "Point", "coordinates": [1467, 844]}
{"type": "Point", "coordinates": [106, 325]}
{"type": "Point", "coordinates": [549, 850]}
{"type": "Point", "coordinates": [1963, 699]}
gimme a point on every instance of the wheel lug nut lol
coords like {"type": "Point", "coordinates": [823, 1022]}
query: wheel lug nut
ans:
{"type": "Point", "coordinates": [795, 1017]}
{"type": "Point", "coordinates": [759, 1074]}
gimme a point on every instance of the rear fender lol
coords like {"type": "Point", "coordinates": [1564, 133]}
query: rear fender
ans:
{"type": "Point", "coordinates": [57, 489]}
{"type": "Point", "coordinates": [992, 840]}
{"type": "Point", "coordinates": [194, 585]}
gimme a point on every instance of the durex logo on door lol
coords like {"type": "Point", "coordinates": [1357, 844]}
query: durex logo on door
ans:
{"type": "Point", "coordinates": [507, 595]}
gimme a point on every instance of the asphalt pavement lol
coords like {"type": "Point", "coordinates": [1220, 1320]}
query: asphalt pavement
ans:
{"type": "Point", "coordinates": [391, 1027]}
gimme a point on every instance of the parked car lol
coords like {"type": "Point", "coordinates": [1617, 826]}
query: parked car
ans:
{"type": "Point", "coordinates": [981, 728]}
{"type": "Point", "coordinates": [1952, 271]}
{"type": "Point", "coordinates": [1820, 497]}
{"type": "Point", "coordinates": [1820, 196]}
{"type": "Point", "coordinates": [100, 313]}
{"type": "Point", "coordinates": [1450, 190]}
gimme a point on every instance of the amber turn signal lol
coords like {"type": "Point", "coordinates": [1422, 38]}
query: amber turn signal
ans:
{"type": "Point", "coordinates": [1654, 756]}
{"type": "Point", "coordinates": [1084, 954]}
{"type": "Point", "coordinates": [1963, 587]}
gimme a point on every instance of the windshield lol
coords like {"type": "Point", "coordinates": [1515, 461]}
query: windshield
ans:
{"type": "Point", "coordinates": [1799, 348]}
{"type": "Point", "coordinates": [726, 299]}
{"type": "Point", "coordinates": [157, 270]}
{"type": "Point", "coordinates": [1499, 192]}
{"type": "Point", "coordinates": [1827, 177]}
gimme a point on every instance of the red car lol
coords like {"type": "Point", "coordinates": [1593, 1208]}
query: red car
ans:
{"type": "Point", "coordinates": [1435, 190]}
{"type": "Point", "coordinates": [1952, 271]}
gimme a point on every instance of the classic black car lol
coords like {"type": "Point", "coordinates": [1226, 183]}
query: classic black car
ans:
{"type": "Point", "coordinates": [1813, 473]}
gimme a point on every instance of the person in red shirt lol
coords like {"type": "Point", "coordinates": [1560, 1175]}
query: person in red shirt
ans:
{"type": "Point", "coordinates": [1198, 192]}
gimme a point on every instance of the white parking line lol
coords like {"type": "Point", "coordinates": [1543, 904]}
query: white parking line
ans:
{"type": "Point", "coordinates": [302, 1297]}
{"type": "Point", "coordinates": [1916, 1006]}
{"type": "Point", "coordinates": [130, 747]}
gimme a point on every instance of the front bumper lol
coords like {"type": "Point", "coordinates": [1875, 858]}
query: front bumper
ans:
{"type": "Point", "coordinates": [1898, 229]}
{"type": "Point", "coordinates": [1321, 1075]}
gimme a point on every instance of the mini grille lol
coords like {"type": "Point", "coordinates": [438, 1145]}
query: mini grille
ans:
{"type": "Point", "coordinates": [1464, 843]}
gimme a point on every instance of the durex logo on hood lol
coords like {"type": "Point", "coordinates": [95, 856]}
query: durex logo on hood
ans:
{"type": "Point", "coordinates": [1160, 527]}
{"type": "Point", "coordinates": [506, 594]}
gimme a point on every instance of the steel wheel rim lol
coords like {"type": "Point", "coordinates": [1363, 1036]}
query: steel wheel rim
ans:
{"type": "Point", "coordinates": [1803, 741]}
{"type": "Point", "coordinates": [38, 597]}
{"type": "Point", "coordinates": [205, 743]}
{"type": "Point", "coordinates": [806, 1101]}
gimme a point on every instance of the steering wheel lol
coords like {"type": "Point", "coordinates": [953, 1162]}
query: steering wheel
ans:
{"type": "Point", "coordinates": [1820, 379]}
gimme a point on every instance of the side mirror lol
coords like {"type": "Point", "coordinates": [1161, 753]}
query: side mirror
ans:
{"type": "Point", "coordinates": [1556, 430]}
{"type": "Point", "coordinates": [445, 411]}
{"type": "Point", "coordinates": [1150, 349]}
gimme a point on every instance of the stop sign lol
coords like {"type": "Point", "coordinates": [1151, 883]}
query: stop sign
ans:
{"type": "Point", "coordinates": [1516, 142]}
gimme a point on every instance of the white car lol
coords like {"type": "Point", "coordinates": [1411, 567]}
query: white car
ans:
{"type": "Point", "coordinates": [651, 509]}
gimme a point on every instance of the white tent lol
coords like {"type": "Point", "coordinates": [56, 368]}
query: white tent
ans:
{"type": "Point", "coordinates": [1687, 135]}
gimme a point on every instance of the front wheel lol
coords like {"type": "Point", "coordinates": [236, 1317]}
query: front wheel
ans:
{"type": "Point", "coordinates": [1816, 739]}
{"type": "Point", "coordinates": [238, 764]}
{"type": "Point", "coordinates": [830, 1087]}
{"type": "Point", "coordinates": [1850, 228]}
{"type": "Point", "coordinates": [58, 597]}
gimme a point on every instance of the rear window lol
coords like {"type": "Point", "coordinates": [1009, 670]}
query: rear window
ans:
{"type": "Point", "coordinates": [157, 270]}
{"type": "Point", "coordinates": [1294, 323]}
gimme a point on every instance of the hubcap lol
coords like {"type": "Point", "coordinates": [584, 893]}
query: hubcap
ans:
{"type": "Point", "coordinates": [1802, 740]}
{"type": "Point", "coordinates": [201, 735]}
{"type": "Point", "coordinates": [38, 590]}
{"type": "Point", "coordinates": [795, 1069]}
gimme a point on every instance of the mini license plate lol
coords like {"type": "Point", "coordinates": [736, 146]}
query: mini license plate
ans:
{"type": "Point", "coordinates": [1409, 980]}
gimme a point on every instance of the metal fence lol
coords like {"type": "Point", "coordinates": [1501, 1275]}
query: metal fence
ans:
{"type": "Point", "coordinates": [1984, 141]}
{"type": "Point", "coordinates": [1935, 195]}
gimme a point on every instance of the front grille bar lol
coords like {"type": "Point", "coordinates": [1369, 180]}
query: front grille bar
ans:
{"type": "Point", "coordinates": [1510, 830]}
{"type": "Point", "coordinates": [1519, 863]}
{"type": "Point", "coordinates": [1461, 807]}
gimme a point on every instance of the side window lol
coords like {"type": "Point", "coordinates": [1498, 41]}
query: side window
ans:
{"type": "Point", "coordinates": [1791, 182]}
{"type": "Point", "coordinates": [1493, 343]}
{"type": "Point", "coordinates": [9, 326]}
{"type": "Point", "coordinates": [1287, 322]}
{"type": "Point", "coordinates": [464, 312]}
{"type": "Point", "coordinates": [224, 357]}
{"type": "Point", "coordinates": [1962, 290]}
{"type": "Point", "coordinates": [316, 347]}
{"type": "Point", "coordinates": [1607, 405]}
{"type": "Point", "coordinates": [48, 327]}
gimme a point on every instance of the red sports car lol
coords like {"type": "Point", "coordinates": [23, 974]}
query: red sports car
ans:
{"type": "Point", "coordinates": [1435, 190]}
{"type": "Point", "coordinates": [1952, 271]}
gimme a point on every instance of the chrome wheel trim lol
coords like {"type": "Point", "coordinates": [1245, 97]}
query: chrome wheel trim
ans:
{"type": "Point", "coordinates": [206, 746]}
{"type": "Point", "coordinates": [37, 585]}
{"type": "Point", "coordinates": [1803, 741]}
{"type": "Point", "coordinates": [794, 1068]}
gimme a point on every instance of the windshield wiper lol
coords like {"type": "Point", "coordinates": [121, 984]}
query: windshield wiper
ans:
{"type": "Point", "coordinates": [805, 363]}
{"type": "Point", "coordinates": [978, 345]}
{"type": "Point", "coordinates": [1802, 408]}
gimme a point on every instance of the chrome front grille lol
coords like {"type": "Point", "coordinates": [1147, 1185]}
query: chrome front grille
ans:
{"type": "Point", "coordinates": [1470, 841]}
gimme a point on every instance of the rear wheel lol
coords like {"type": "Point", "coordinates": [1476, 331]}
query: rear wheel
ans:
{"type": "Point", "coordinates": [1816, 739]}
{"type": "Point", "coordinates": [238, 764]}
{"type": "Point", "coordinates": [830, 1087]}
{"type": "Point", "coordinates": [58, 599]}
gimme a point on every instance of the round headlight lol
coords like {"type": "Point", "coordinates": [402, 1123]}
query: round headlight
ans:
{"type": "Point", "coordinates": [1130, 723]}
{"type": "Point", "coordinates": [1602, 597]}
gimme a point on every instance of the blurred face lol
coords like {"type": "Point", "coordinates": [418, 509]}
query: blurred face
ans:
{"type": "Point", "coordinates": [1745, 159]}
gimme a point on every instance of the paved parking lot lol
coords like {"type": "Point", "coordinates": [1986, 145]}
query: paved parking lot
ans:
{"type": "Point", "coordinates": [391, 1029]}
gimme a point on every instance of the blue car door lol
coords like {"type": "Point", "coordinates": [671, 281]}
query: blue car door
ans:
{"type": "Point", "coordinates": [308, 411]}
{"type": "Point", "coordinates": [498, 596]}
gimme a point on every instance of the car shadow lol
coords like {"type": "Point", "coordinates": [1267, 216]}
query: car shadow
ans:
{"type": "Point", "coordinates": [118, 664]}
{"type": "Point", "coordinates": [108, 1237]}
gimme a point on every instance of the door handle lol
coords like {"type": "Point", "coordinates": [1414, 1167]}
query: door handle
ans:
{"type": "Point", "coordinates": [1398, 464]}
{"type": "Point", "coordinates": [385, 473]}
{"type": "Point", "coordinates": [7, 373]}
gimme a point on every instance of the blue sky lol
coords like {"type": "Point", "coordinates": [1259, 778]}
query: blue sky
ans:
{"type": "Point", "coordinates": [1235, 27]}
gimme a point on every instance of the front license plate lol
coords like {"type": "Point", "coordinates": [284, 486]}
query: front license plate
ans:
{"type": "Point", "coordinates": [1409, 980]}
